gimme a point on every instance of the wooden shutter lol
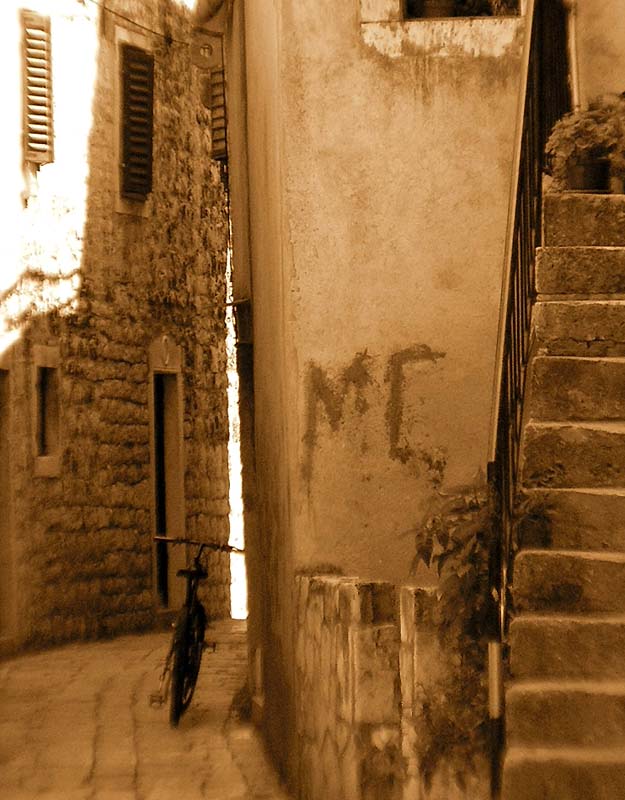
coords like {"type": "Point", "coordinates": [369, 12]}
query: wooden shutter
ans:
{"type": "Point", "coordinates": [136, 133]}
{"type": "Point", "coordinates": [218, 114]}
{"type": "Point", "coordinates": [38, 130]}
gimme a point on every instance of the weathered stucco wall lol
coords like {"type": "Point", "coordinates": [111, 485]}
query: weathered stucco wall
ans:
{"type": "Point", "coordinates": [396, 192]}
{"type": "Point", "coordinates": [118, 295]}
{"type": "Point", "coordinates": [379, 175]}
{"type": "Point", "coordinates": [601, 47]}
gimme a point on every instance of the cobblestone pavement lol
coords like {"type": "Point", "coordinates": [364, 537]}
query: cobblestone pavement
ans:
{"type": "Point", "coordinates": [75, 724]}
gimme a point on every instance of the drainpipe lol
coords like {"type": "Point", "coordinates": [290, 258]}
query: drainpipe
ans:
{"type": "Point", "coordinates": [495, 713]}
{"type": "Point", "coordinates": [571, 35]}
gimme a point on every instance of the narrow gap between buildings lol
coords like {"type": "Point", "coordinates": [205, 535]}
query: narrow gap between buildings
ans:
{"type": "Point", "coordinates": [238, 581]}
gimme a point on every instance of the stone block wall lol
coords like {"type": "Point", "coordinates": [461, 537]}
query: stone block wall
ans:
{"type": "Point", "coordinates": [367, 660]}
{"type": "Point", "coordinates": [348, 702]}
{"type": "Point", "coordinates": [98, 283]}
{"type": "Point", "coordinates": [425, 666]}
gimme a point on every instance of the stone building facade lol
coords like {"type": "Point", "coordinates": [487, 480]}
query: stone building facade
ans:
{"type": "Point", "coordinates": [113, 409]}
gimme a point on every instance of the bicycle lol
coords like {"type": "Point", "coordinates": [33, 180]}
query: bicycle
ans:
{"type": "Point", "coordinates": [182, 664]}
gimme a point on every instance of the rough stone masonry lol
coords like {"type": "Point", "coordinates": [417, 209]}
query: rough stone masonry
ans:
{"type": "Point", "coordinates": [103, 283]}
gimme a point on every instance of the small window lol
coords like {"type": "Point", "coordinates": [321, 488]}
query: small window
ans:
{"type": "Point", "coordinates": [47, 411]}
{"type": "Point", "coordinates": [430, 8]}
{"type": "Point", "coordinates": [416, 9]}
{"type": "Point", "coordinates": [38, 130]}
{"type": "Point", "coordinates": [136, 129]}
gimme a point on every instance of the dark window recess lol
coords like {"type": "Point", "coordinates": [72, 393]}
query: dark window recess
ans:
{"type": "Point", "coordinates": [219, 149]}
{"type": "Point", "coordinates": [38, 129]}
{"type": "Point", "coordinates": [416, 9]}
{"type": "Point", "coordinates": [136, 133]}
{"type": "Point", "coordinates": [47, 411]}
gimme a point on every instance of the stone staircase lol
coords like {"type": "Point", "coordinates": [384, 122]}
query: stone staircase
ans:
{"type": "Point", "coordinates": [565, 704]}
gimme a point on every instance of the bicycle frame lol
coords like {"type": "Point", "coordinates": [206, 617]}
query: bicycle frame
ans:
{"type": "Point", "coordinates": [193, 575]}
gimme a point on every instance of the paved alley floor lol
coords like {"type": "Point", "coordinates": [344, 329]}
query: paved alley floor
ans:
{"type": "Point", "coordinates": [76, 724]}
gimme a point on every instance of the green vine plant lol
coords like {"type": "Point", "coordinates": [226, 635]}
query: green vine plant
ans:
{"type": "Point", "coordinates": [592, 134]}
{"type": "Point", "coordinates": [455, 539]}
{"type": "Point", "coordinates": [453, 725]}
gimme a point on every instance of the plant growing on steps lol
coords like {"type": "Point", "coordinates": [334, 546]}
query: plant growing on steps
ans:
{"type": "Point", "coordinates": [455, 539]}
{"type": "Point", "coordinates": [594, 135]}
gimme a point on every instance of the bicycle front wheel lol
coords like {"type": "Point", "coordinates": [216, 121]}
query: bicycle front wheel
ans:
{"type": "Point", "coordinates": [188, 646]}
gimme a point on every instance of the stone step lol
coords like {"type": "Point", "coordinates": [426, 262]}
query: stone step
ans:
{"type": "Point", "coordinates": [580, 270]}
{"type": "Point", "coordinates": [568, 582]}
{"type": "Point", "coordinates": [549, 646]}
{"type": "Point", "coordinates": [579, 519]}
{"type": "Point", "coordinates": [573, 455]}
{"type": "Point", "coordinates": [564, 774]}
{"type": "Point", "coordinates": [589, 220]}
{"type": "Point", "coordinates": [572, 388]}
{"type": "Point", "coordinates": [580, 327]}
{"type": "Point", "coordinates": [565, 714]}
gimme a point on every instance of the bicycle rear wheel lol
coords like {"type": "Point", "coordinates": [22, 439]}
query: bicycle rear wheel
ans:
{"type": "Point", "coordinates": [188, 646]}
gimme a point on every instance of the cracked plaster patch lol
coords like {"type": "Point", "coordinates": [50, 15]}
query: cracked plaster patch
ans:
{"type": "Point", "coordinates": [487, 37]}
{"type": "Point", "coordinates": [380, 10]}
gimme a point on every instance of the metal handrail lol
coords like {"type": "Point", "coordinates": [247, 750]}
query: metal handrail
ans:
{"type": "Point", "coordinates": [501, 384]}
{"type": "Point", "coordinates": [544, 95]}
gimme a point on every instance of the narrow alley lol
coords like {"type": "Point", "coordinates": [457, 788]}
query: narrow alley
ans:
{"type": "Point", "coordinates": [312, 314]}
{"type": "Point", "coordinates": [76, 724]}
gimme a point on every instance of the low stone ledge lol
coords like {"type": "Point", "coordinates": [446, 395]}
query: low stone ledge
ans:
{"type": "Point", "coordinates": [368, 658]}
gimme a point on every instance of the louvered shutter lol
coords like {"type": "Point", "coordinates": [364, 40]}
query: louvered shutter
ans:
{"type": "Point", "coordinates": [218, 114]}
{"type": "Point", "coordinates": [136, 134]}
{"type": "Point", "coordinates": [37, 87]}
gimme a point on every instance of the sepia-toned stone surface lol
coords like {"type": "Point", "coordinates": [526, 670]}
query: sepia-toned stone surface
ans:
{"type": "Point", "coordinates": [368, 659]}
{"type": "Point", "coordinates": [347, 692]}
{"type": "Point", "coordinates": [103, 282]}
{"type": "Point", "coordinates": [565, 702]}
{"type": "Point", "coordinates": [76, 725]}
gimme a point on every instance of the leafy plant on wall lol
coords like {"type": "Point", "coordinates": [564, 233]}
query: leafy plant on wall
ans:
{"type": "Point", "coordinates": [594, 134]}
{"type": "Point", "coordinates": [454, 540]}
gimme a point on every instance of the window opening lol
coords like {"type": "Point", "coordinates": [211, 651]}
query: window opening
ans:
{"type": "Point", "coordinates": [137, 122]}
{"type": "Point", "coordinates": [47, 411]}
{"type": "Point", "coordinates": [210, 59]}
{"type": "Point", "coordinates": [38, 130]}
{"type": "Point", "coordinates": [218, 114]}
{"type": "Point", "coordinates": [437, 9]}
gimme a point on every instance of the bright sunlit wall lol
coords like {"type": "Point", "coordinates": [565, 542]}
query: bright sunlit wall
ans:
{"type": "Point", "coordinates": [45, 207]}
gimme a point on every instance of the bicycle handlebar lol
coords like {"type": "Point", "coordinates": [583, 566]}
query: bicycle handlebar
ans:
{"type": "Point", "coordinates": [224, 548]}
